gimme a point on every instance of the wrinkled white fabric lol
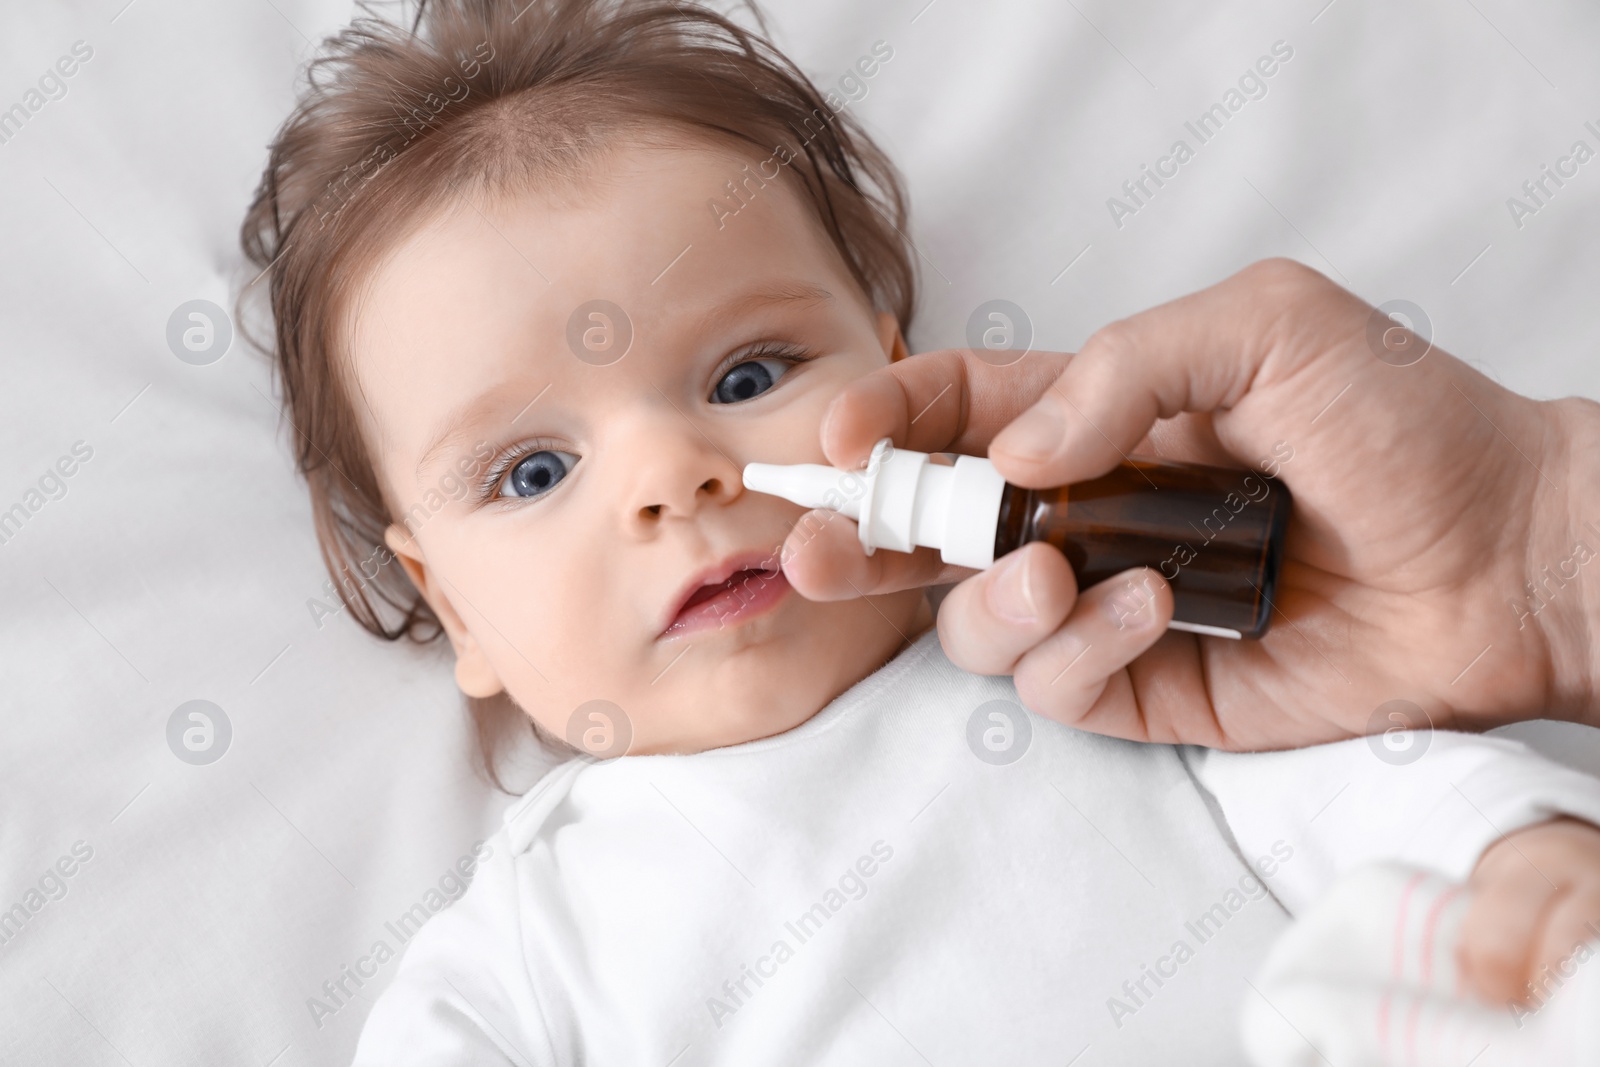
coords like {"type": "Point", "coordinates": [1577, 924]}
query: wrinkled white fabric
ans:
{"type": "Point", "coordinates": [872, 887]}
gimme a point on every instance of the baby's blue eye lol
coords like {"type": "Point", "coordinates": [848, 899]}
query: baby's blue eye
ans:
{"type": "Point", "coordinates": [748, 379]}
{"type": "Point", "coordinates": [536, 473]}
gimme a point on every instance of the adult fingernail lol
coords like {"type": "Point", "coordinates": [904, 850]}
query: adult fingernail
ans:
{"type": "Point", "coordinates": [1132, 605]}
{"type": "Point", "coordinates": [827, 421]}
{"type": "Point", "coordinates": [1010, 593]}
{"type": "Point", "coordinates": [1036, 435]}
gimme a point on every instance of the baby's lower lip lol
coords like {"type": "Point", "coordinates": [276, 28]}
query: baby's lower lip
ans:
{"type": "Point", "coordinates": [758, 593]}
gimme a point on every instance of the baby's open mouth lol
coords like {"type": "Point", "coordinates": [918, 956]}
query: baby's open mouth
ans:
{"type": "Point", "coordinates": [745, 593]}
{"type": "Point", "coordinates": [706, 592]}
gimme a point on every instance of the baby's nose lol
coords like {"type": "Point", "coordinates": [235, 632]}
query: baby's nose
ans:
{"type": "Point", "coordinates": [675, 500]}
{"type": "Point", "coordinates": [680, 473]}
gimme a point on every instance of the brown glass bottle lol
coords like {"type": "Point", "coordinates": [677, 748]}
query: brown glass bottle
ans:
{"type": "Point", "coordinates": [1215, 534]}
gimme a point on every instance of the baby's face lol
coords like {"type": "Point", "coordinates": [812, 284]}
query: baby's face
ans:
{"type": "Point", "coordinates": [605, 490]}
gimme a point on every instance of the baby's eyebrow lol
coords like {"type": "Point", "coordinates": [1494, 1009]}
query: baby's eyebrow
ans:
{"type": "Point", "coordinates": [798, 293]}
{"type": "Point", "coordinates": [485, 405]}
{"type": "Point", "coordinates": [454, 427]}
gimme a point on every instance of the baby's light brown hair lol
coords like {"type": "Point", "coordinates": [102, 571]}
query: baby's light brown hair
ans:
{"type": "Point", "coordinates": [490, 97]}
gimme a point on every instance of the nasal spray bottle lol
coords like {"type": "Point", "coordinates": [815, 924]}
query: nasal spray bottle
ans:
{"type": "Point", "coordinates": [1216, 535]}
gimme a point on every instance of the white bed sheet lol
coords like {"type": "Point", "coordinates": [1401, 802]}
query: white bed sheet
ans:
{"type": "Point", "coordinates": [177, 566]}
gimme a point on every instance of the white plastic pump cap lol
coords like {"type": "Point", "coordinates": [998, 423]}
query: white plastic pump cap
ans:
{"type": "Point", "coordinates": [901, 500]}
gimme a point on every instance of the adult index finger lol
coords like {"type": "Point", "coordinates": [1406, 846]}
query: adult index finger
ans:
{"type": "Point", "coordinates": [944, 401]}
{"type": "Point", "coordinates": [1205, 352]}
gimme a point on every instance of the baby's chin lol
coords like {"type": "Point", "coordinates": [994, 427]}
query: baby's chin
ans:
{"type": "Point", "coordinates": [723, 720]}
{"type": "Point", "coordinates": [760, 680]}
{"type": "Point", "coordinates": [775, 686]}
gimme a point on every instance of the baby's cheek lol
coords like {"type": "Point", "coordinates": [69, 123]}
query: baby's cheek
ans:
{"type": "Point", "coordinates": [576, 653]}
{"type": "Point", "coordinates": [531, 634]}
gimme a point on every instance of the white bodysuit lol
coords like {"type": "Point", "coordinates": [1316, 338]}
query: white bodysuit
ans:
{"type": "Point", "coordinates": [879, 886]}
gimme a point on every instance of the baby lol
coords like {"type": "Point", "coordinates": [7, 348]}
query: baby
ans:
{"type": "Point", "coordinates": [545, 277]}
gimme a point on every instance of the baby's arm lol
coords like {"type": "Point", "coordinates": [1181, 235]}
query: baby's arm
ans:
{"type": "Point", "coordinates": [1535, 898]}
{"type": "Point", "coordinates": [1465, 806]}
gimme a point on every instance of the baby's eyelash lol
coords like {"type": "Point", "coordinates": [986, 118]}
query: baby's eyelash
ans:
{"type": "Point", "coordinates": [505, 462]}
{"type": "Point", "coordinates": [784, 350]}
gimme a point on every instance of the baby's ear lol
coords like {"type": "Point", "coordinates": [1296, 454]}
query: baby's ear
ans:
{"type": "Point", "coordinates": [475, 675]}
{"type": "Point", "coordinates": [889, 337]}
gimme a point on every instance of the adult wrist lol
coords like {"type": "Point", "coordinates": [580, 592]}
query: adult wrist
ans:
{"type": "Point", "coordinates": [1564, 562]}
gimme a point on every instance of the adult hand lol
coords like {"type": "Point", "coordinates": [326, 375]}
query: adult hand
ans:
{"type": "Point", "coordinates": [1426, 498]}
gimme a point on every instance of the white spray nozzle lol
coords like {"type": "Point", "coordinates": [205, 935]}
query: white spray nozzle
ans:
{"type": "Point", "coordinates": [811, 485]}
{"type": "Point", "coordinates": [901, 500]}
